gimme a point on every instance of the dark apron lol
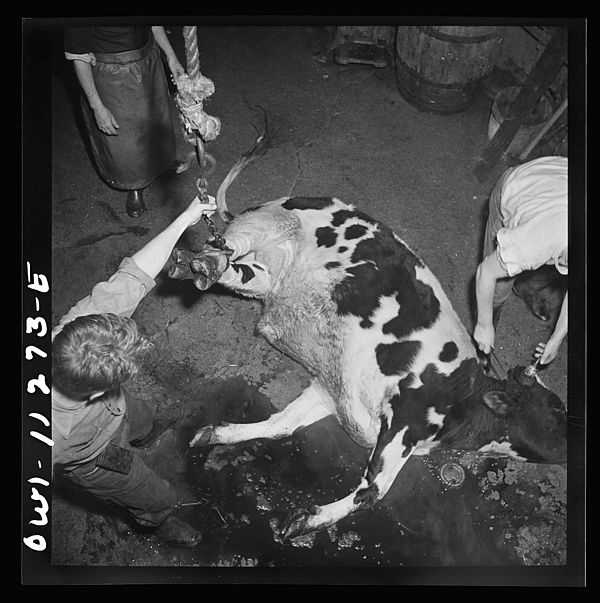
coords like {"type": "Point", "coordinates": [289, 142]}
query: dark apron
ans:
{"type": "Point", "coordinates": [132, 85]}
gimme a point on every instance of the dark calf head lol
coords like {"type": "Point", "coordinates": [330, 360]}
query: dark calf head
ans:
{"type": "Point", "coordinates": [543, 290]}
{"type": "Point", "coordinates": [536, 419]}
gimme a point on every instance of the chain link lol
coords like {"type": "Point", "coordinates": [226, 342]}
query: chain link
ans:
{"type": "Point", "coordinates": [219, 241]}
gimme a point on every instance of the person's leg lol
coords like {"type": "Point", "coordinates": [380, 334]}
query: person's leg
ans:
{"type": "Point", "coordinates": [142, 493]}
{"type": "Point", "coordinates": [148, 498]}
{"type": "Point", "coordinates": [501, 293]}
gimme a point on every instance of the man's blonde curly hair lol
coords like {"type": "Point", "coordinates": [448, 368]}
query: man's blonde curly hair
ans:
{"type": "Point", "coordinates": [97, 352]}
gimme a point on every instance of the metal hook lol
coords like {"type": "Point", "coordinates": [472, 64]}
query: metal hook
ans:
{"type": "Point", "coordinates": [531, 370]}
{"type": "Point", "coordinates": [206, 161]}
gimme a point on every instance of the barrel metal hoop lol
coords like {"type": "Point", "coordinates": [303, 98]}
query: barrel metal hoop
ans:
{"type": "Point", "coordinates": [432, 32]}
{"type": "Point", "coordinates": [418, 76]}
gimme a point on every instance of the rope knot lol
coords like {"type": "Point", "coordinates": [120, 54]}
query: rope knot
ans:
{"type": "Point", "coordinates": [190, 97]}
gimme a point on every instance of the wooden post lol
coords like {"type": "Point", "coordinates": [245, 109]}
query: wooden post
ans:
{"type": "Point", "coordinates": [543, 131]}
{"type": "Point", "coordinates": [540, 78]}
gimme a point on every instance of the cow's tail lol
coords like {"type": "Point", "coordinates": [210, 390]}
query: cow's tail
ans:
{"type": "Point", "coordinates": [261, 145]}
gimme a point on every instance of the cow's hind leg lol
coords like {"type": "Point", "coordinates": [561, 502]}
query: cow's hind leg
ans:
{"type": "Point", "coordinates": [247, 276]}
{"type": "Point", "coordinates": [311, 406]}
{"type": "Point", "coordinates": [387, 459]}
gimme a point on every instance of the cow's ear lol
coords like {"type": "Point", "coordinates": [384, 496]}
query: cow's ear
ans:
{"type": "Point", "coordinates": [498, 402]}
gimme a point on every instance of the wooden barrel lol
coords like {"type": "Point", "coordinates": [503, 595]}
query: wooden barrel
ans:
{"type": "Point", "coordinates": [439, 68]}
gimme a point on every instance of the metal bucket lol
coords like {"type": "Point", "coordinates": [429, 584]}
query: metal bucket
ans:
{"type": "Point", "coordinates": [531, 126]}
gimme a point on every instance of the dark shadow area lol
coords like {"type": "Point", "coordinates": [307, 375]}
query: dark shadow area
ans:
{"type": "Point", "coordinates": [250, 487]}
{"type": "Point", "coordinates": [63, 69]}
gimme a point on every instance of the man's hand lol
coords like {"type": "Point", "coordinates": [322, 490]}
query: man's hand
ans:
{"type": "Point", "coordinates": [176, 68]}
{"type": "Point", "coordinates": [484, 337]}
{"type": "Point", "coordinates": [105, 120]}
{"type": "Point", "coordinates": [547, 352]}
{"type": "Point", "coordinates": [196, 209]}
{"type": "Point", "coordinates": [153, 256]}
{"type": "Point", "coordinates": [160, 35]}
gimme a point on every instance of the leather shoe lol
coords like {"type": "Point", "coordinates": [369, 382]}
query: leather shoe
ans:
{"type": "Point", "coordinates": [177, 532]}
{"type": "Point", "coordinates": [167, 419]}
{"type": "Point", "coordinates": [135, 205]}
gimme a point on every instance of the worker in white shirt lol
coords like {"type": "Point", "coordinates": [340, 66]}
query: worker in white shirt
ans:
{"type": "Point", "coordinates": [527, 227]}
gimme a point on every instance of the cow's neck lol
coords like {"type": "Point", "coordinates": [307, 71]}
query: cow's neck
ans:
{"type": "Point", "coordinates": [470, 425]}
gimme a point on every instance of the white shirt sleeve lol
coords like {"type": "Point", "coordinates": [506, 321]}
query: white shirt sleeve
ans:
{"type": "Point", "coordinates": [88, 57]}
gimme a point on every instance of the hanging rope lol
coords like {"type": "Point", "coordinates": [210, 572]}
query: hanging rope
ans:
{"type": "Point", "coordinates": [192, 56]}
{"type": "Point", "coordinates": [192, 90]}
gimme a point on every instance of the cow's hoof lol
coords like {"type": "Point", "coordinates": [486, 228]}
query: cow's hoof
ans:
{"type": "Point", "coordinates": [180, 268]}
{"type": "Point", "coordinates": [295, 524]}
{"type": "Point", "coordinates": [204, 282]}
{"type": "Point", "coordinates": [204, 437]}
{"type": "Point", "coordinates": [179, 256]}
{"type": "Point", "coordinates": [210, 260]}
{"type": "Point", "coordinates": [180, 272]}
{"type": "Point", "coordinates": [203, 265]}
{"type": "Point", "coordinates": [208, 266]}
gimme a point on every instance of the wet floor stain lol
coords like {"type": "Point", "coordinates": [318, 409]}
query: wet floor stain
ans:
{"type": "Point", "coordinates": [240, 495]}
{"type": "Point", "coordinates": [138, 231]}
{"type": "Point", "coordinates": [504, 512]}
{"type": "Point", "coordinates": [112, 213]}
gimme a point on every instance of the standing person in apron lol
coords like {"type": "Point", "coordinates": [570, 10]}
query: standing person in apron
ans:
{"type": "Point", "coordinates": [126, 103]}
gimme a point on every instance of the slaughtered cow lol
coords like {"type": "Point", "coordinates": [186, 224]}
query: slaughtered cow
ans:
{"type": "Point", "coordinates": [388, 355]}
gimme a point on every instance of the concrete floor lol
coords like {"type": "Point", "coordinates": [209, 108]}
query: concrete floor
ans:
{"type": "Point", "coordinates": [347, 132]}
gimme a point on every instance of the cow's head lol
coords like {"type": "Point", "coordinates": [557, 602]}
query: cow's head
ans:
{"type": "Point", "coordinates": [535, 418]}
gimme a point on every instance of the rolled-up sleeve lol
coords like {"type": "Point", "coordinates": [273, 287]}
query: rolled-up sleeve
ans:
{"type": "Point", "coordinates": [512, 246]}
{"type": "Point", "coordinates": [120, 294]}
{"type": "Point", "coordinates": [77, 44]}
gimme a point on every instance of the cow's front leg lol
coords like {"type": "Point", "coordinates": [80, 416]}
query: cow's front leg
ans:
{"type": "Point", "coordinates": [311, 406]}
{"type": "Point", "coordinates": [248, 277]}
{"type": "Point", "coordinates": [387, 459]}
